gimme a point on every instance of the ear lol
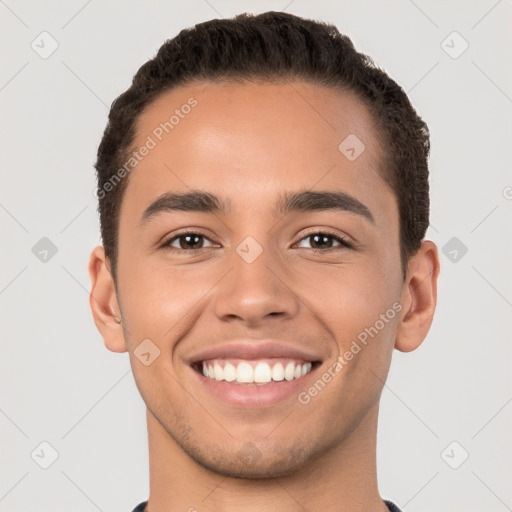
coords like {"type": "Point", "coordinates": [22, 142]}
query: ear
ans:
{"type": "Point", "coordinates": [103, 302]}
{"type": "Point", "coordinates": [419, 298]}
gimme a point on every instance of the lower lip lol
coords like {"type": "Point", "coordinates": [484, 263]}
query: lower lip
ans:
{"type": "Point", "coordinates": [254, 395]}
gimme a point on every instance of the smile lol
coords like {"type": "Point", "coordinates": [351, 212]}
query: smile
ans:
{"type": "Point", "coordinates": [255, 371]}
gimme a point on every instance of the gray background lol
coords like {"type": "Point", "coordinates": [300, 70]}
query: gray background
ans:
{"type": "Point", "coordinates": [61, 385]}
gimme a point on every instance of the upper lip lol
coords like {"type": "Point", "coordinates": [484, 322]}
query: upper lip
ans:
{"type": "Point", "coordinates": [254, 350]}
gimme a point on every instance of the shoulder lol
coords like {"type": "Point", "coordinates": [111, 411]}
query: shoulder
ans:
{"type": "Point", "coordinates": [140, 507]}
{"type": "Point", "coordinates": [391, 506]}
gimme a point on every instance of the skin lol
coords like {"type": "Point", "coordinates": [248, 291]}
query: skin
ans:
{"type": "Point", "coordinates": [249, 143]}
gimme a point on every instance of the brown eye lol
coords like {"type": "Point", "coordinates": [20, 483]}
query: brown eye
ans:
{"type": "Point", "coordinates": [320, 241]}
{"type": "Point", "coordinates": [186, 241]}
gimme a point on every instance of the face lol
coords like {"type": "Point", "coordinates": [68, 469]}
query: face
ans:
{"type": "Point", "coordinates": [248, 280]}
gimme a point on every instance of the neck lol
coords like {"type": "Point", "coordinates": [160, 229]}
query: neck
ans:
{"type": "Point", "coordinates": [343, 478]}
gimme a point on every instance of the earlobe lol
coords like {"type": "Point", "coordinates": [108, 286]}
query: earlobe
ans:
{"type": "Point", "coordinates": [419, 298]}
{"type": "Point", "coordinates": [103, 302]}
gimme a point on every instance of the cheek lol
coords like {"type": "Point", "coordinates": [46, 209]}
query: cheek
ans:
{"type": "Point", "coordinates": [360, 306]}
{"type": "Point", "coordinates": [161, 302]}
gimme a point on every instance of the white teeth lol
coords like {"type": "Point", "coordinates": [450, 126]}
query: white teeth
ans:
{"type": "Point", "coordinates": [289, 371]}
{"type": "Point", "coordinates": [229, 372]}
{"type": "Point", "coordinates": [217, 372]}
{"type": "Point", "coordinates": [278, 372]}
{"type": "Point", "coordinates": [261, 374]}
{"type": "Point", "coordinates": [244, 373]}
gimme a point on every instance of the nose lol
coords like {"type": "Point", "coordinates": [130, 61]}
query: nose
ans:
{"type": "Point", "coordinates": [255, 290]}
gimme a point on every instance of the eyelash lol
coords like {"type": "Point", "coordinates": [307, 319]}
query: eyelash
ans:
{"type": "Point", "coordinates": [344, 243]}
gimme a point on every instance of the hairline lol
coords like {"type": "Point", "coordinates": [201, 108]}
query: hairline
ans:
{"type": "Point", "coordinates": [384, 164]}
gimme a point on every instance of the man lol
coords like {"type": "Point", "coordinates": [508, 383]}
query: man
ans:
{"type": "Point", "coordinates": [263, 197]}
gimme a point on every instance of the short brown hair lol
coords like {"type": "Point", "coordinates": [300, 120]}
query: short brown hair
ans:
{"type": "Point", "coordinates": [274, 46]}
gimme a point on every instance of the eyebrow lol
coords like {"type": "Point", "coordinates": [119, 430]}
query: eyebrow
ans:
{"type": "Point", "coordinates": [304, 201]}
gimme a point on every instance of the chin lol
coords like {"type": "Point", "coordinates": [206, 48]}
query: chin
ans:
{"type": "Point", "coordinates": [251, 462]}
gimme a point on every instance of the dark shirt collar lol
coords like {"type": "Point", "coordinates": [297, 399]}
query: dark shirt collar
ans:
{"type": "Point", "coordinates": [391, 506]}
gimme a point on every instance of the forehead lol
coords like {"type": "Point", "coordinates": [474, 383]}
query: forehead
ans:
{"type": "Point", "coordinates": [249, 141]}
